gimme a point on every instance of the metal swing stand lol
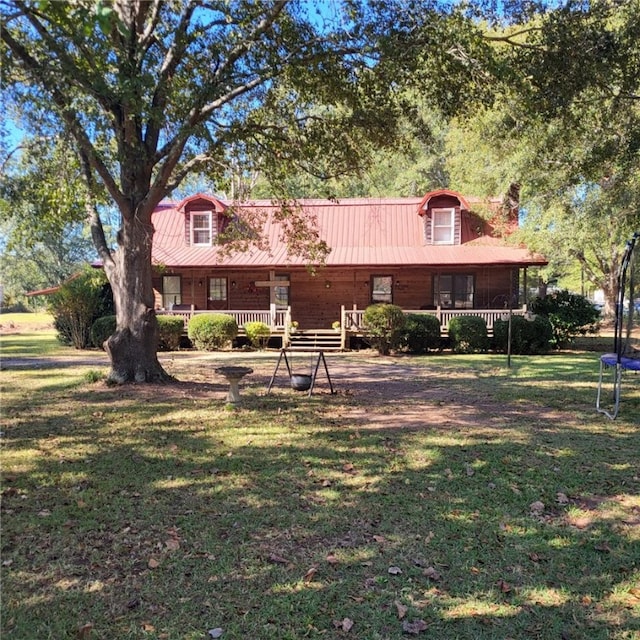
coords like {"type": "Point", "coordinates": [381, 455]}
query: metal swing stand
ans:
{"type": "Point", "coordinates": [301, 382]}
{"type": "Point", "coordinates": [619, 361]}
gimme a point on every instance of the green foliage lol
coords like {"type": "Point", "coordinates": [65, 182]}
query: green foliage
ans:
{"type": "Point", "coordinates": [421, 333]}
{"type": "Point", "coordinates": [101, 329]}
{"type": "Point", "coordinates": [77, 304]}
{"type": "Point", "coordinates": [170, 330]}
{"type": "Point", "coordinates": [211, 331]}
{"type": "Point", "coordinates": [570, 315]}
{"type": "Point", "coordinates": [258, 334]}
{"type": "Point", "coordinates": [468, 334]}
{"type": "Point", "coordinates": [384, 324]}
{"type": "Point", "coordinates": [528, 336]}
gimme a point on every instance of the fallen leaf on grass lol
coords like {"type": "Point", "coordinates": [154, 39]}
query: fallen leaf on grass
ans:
{"type": "Point", "coordinates": [561, 498]}
{"type": "Point", "coordinates": [348, 468]}
{"type": "Point", "coordinates": [432, 574]}
{"type": "Point", "coordinates": [504, 586]}
{"type": "Point", "coordinates": [276, 559]}
{"type": "Point", "coordinates": [379, 539]}
{"type": "Point", "coordinates": [148, 627]}
{"type": "Point", "coordinates": [402, 609]}
{"type": "Point", "coordinates": [153, 563]}
{"type": "Point", "coordinates": [308, 577]}
{"type": "Point", "coordinates": [394, 571]}
{"type": "Point", "coordinates": [331, 559]}
{"type": "Point", "coordinates": [414, 627]}
{"type": "Point", "coordinates": [172, 544]}
{"type": "Point", "coordinates": [536, 507]}
{"type": "Point", "coordinates": [85, 631]}
{"type": "Point", "coordinates": [215, 633]}
{"type": "Point", "coordinates": [346, 624]}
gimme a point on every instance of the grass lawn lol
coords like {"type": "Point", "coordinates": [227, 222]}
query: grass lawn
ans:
{"type": "Point", "coordinates": [439, 497]}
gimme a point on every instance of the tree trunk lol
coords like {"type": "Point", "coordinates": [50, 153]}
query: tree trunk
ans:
{"type": "Point", "coordinates": [133, 347]}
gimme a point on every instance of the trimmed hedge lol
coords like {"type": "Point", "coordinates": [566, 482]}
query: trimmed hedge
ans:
{"type": "Point", "coordinates": [385, 325]}
{"type": "Point", "coordinates": [258, 334]}
{"type": "Point", "coordinates": [101, 329]}
{"type": "Point", "coordinates": [170, 329]}
{"type": "Point", "coordinates": [211, 331]}
{"type": "Point", "coordinates": [421, 332]}
{"type": "Point", "coordinates": [528, 336]}
{"type": "Point", "coordinates": [468, 334]}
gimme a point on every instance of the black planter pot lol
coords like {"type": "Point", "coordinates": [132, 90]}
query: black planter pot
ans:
{"type": "Point", "coordinates": [300, 382]}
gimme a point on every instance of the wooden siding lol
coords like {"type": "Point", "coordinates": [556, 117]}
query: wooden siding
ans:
{"type": "Point", "coordinates": [316, 301]}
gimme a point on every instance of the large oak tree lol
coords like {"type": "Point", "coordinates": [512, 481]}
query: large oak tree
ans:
{"type": "Point", "coordinates": [153, 90]}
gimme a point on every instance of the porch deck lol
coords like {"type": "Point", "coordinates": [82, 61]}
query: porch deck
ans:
{"type": "Point", "coordinates": [351, 320]}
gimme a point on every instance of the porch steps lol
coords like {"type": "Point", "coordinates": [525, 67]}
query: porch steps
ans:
{"type": "Point", "coordinates": [315, 340]}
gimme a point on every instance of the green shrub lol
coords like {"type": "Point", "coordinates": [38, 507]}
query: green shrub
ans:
{"type": "Point", "coordinates": [528, 335]}
{"type": "Point", "coordinates": [384, 324]}
{"type": "Point", "coordinates": [570, 315]}
{"type": "Point", "coordinates": [170, 330]}
{"type": "Point", "coordinates": [77, 304]}
{"type": "Point", "coordinates": [211, 331]}
{"type": "Point", "coordinates": [101, 329]}
{"type": "Point", "coordinates": [421, 332]}
{"type": "Point", "coordinates": [468, 334]}
{"type": "Point", "coordinates": [258, 334]}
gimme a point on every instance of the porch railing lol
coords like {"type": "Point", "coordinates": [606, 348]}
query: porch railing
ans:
{"type": "Point", "coordinates": [275, 319]}
{"type": "Point", "coordinates": [352, 318]}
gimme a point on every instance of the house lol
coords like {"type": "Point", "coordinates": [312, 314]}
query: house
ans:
{"type": "Point", "coordinates": [433, 254]}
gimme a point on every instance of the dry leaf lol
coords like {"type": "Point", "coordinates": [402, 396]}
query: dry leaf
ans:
{"type": "Point", "coordinates": [148, 627]}
{"type": "Point", "coordinates": [348, 468]}
{"type": "Point", "coordinates": [308, 577]}
{"type": "Point", "coordinates": [172, 544]}
{"type": "Point", "coordinates": [347, 624]}
{"type": "Point", "coordinates": [432, 574]}
{"type": "Point", "coordinates": [379, 538]}
{"type": "Point", "coordinates": [414, 627]}
{"type": "Point", "coordinates": [153, 563]}
{"type": "Point", "coordinates": [504, 586]}
{"type": "Point", "coordinates": [215, 633]}
{"type": "Point", "coordinates": [561, 498]}
{"type": "Point", "coordinates": [536, 507]}
{"type": "Point", "coordinates": [394, 571]}
{"type": "Point", "coordinates": [402, 609]}
{"type": "Point", "coordinates": [276, 559]}
{"type": "Point", "coordinates": [331, 559]}
{"type": "Point", "coordinates": [85, 631]}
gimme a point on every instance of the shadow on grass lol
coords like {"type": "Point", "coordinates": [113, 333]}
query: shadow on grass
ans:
{"type": "Point", "coordinates": [282, 518]}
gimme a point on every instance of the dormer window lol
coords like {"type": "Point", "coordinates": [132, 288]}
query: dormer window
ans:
{"type": "Point", "coordinates": [201, 228]}
{"type": "Point", "coordinates": [443, 226]}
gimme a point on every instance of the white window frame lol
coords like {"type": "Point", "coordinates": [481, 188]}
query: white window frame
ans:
{"type": "Point", "coordinates": [208, 228]}
{"type": "Point", "coordinates": [439, 225]}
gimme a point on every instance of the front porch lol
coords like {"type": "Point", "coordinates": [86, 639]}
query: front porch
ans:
{"type": "Point", "coordinates": [280, 323]}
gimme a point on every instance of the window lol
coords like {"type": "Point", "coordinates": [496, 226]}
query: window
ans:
{"type": "Point", "coordinates": [453, 291]}
{"type": "Point", "coordinates": [171, 291]}
{"type": "Point", "coordinates": [201, 231]}
{"type": "Point", "coordinates": [281, 293]}
{"type": "Point", "coordinates": [217, 289]}
{"type": "Point", "coordinates": [381, 289]}
{"type": "Point", "coordinates": [442, 226]}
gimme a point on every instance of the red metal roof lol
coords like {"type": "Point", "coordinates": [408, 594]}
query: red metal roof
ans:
{"type": "Point", "coordinates": [359, 232]}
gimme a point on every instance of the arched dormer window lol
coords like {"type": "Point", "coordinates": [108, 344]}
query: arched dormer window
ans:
{"type": "Point", "coordinates": [203, 216]}
{"type": "Point", "coordinates": [441, 212]}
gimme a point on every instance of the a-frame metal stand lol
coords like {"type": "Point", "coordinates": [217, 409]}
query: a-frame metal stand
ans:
{"type": "Point", "coordinates": [292, 376]}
